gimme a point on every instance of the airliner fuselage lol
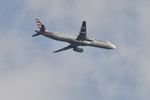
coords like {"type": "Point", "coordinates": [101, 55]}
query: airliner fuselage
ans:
{"type": "Point", "coordinates": [81, 40]}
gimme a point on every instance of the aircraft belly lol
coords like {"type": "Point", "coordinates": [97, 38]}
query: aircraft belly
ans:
{"type": "Point", "coordinates": [70, 39]}
{"type": "Point", "coordinates": [78, 43]}
{"type": "Point", "coordinates": [99, 45]}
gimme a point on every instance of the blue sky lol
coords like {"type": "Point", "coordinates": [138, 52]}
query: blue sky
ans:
{"type": "Point", "coordinates": [28, 70]}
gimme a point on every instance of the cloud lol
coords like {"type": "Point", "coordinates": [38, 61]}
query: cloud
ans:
{"type": "Point", "coordinates": [28, 70]}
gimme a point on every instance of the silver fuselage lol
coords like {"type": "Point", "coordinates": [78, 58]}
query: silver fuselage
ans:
{"type": "Point", "coordinates": [73, 41]}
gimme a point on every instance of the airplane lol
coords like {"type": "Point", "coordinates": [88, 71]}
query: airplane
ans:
{"type": "Point", "coordinates": [74, 41]}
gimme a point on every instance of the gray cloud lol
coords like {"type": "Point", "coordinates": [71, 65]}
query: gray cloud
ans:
{"type": "Point", "coordinates": [28, 70]}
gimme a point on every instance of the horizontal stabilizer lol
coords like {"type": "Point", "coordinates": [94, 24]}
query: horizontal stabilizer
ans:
{"type": "Point", "coordinates": [37, 34]}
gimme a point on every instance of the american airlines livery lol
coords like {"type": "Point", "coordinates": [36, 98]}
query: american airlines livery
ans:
{"type": "Point", "coordinates": [74, 41]}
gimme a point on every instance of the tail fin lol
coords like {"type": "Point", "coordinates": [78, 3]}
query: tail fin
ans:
{"type": "Point", "coordinates": [40, 27]}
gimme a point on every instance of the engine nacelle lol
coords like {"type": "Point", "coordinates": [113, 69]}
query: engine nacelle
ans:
{"type": "Point", "coordinates": [77, 49]}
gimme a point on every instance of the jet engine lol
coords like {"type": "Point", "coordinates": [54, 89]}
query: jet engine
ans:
{"type": "Point", "coordinates": [77, 49]}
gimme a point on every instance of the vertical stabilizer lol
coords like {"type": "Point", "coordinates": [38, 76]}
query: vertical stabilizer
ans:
{"type": "Point", "coordinates": [38, 24]}
{"type": "Point", "coordinates": [39, 28]}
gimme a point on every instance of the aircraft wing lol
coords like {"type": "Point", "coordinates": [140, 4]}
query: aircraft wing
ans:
{"type": "Point", "coordinates": [82, 35]}
{"type": "Point", "coordinates": [65, 48]}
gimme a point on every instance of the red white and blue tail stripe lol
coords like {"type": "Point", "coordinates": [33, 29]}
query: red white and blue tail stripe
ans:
{"type": "Point", "coordinates": [38, 24]}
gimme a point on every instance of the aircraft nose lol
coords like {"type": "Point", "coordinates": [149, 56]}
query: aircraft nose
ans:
{"type": "Point", "coordinates": [113, 46]}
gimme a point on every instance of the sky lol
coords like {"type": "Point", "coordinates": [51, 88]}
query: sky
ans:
{"type": "Point", "coordinates": [29, 71]}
